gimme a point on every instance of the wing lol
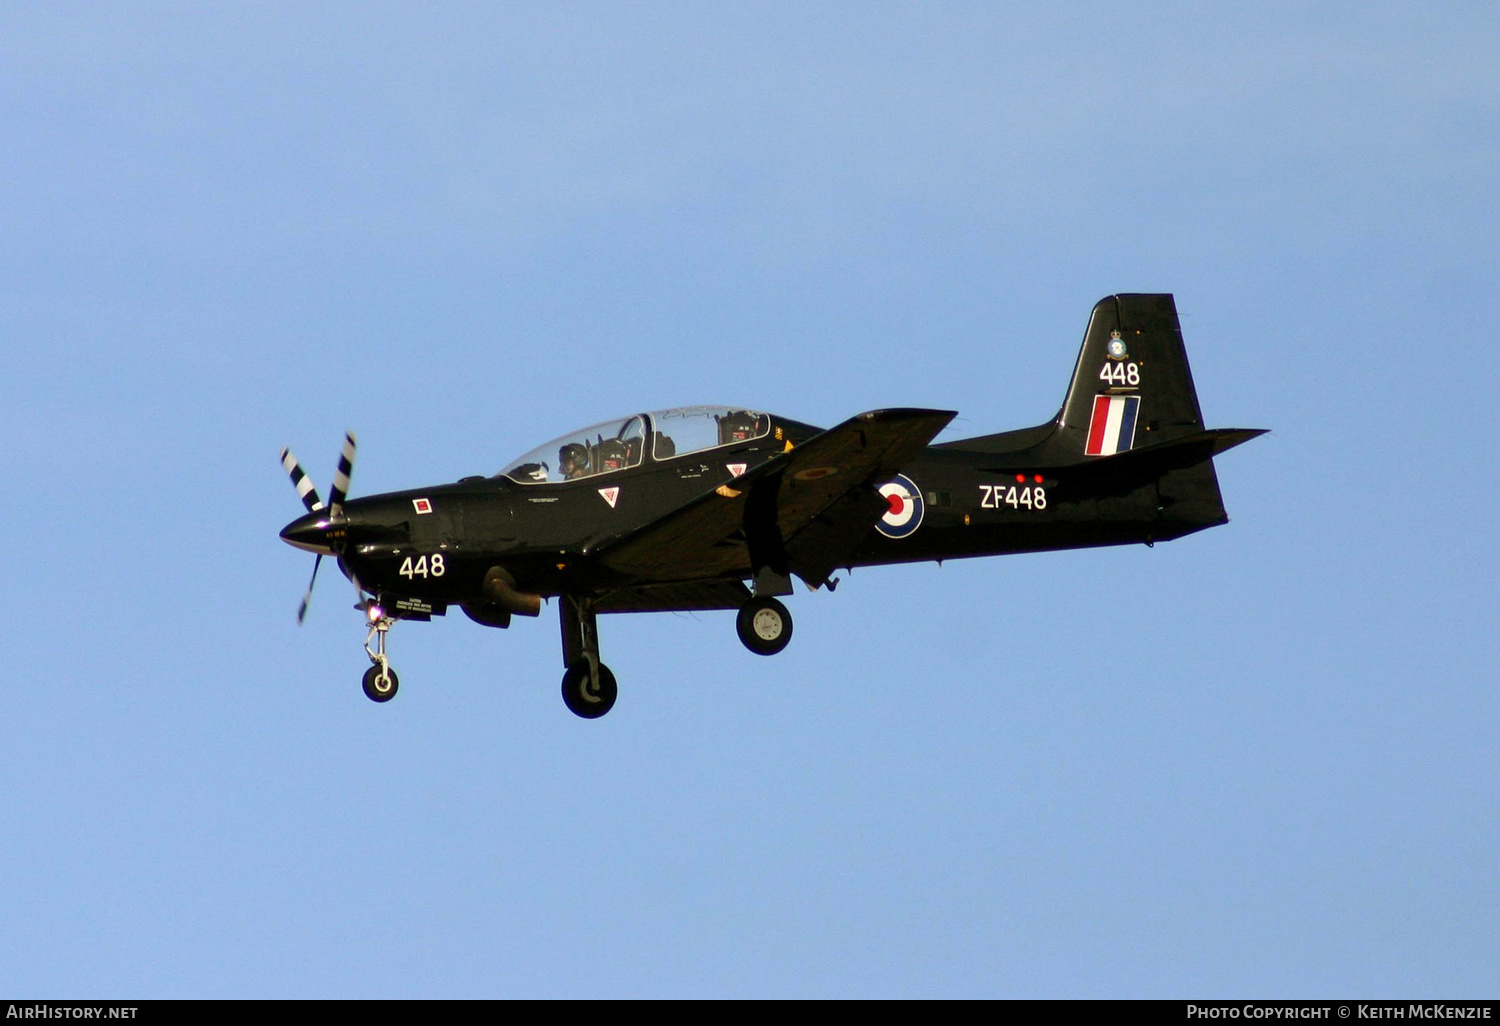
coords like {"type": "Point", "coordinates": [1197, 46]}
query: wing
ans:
{"type": "Point", "coordinates": [803, 511]}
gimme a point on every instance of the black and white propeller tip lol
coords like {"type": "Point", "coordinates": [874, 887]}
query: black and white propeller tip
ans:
{"type": "Point", "coordinates": [342, 474]}
{"type": "Point", "coordinates": [300, 481]}
{"type": "Point", "coordinates": [311, 532]}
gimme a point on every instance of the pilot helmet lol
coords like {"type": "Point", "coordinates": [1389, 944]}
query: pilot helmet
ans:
{"type": "Point", "coordinates": [573, 459]}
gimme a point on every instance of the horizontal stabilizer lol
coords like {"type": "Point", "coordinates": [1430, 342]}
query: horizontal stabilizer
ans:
{"type": "Point", "coordinates": [1127, 471]}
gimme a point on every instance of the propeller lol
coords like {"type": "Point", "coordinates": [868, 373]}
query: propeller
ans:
{"type": "Point", "coordinates": [313, 536]}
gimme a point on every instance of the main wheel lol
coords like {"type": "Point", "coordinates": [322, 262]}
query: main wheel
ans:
{"type": "Point", "coordinates": [764, 626]}
{"type": "Point", "coordinates": [380, 687]}
{"type": "Point", "coordinates": [584, 700]}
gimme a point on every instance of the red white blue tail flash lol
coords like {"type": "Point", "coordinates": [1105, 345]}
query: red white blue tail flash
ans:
{"type": "Point", "coordinates": [1112, 427]}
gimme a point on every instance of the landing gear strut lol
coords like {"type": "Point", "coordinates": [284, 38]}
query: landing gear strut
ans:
{"type": "Point", "coordinates": [588, 686]}
{"type": "Point", "coordinates": [764, 625]}
{"type": "Point", "coordinates": [380, 681]}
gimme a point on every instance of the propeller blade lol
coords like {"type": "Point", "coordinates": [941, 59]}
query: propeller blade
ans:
{"type": "Point", "coordinates": [305, 490]}
{"type": "Point", "coordinates": [341, 477]}
{"type": "Point", "coordinates": [302, 610]}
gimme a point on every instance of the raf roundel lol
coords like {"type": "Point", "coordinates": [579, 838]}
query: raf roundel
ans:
{"type": "Point", "coordinates": [905, 513]}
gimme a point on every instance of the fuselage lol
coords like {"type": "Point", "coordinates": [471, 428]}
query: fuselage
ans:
{"type": "Point", "coordinates": [424, 549]}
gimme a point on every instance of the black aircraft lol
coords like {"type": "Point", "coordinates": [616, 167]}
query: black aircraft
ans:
{"type": "Point", "coordinates": [719, 507]}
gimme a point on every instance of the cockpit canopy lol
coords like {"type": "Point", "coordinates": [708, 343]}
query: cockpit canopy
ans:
{"type": "Point", "coordinates": [621, 444]}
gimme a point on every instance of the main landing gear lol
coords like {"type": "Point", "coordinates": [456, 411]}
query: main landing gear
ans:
{"type": "Point", "coordinates": [589, 689]}
{"type": "Point", "coordinates": [380, 681]}
{"type": "Point", "coordinates": [588, 686]}
{"type": "Point", "coordinates": [764, 626]}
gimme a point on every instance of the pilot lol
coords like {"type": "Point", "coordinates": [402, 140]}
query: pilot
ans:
{"type": "Point", "coordinates": [573, 460]}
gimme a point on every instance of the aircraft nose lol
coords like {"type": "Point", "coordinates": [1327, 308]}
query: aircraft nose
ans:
{"type": "Point", "coordinates": [309, 533]}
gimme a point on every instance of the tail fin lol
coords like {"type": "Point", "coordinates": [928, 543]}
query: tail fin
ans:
{"type": "Point", "coordinates": [1132, 386]}
{"type": "Point", "coordinates": [1132, 398]}
{"type": "Point", "coordinates": [1132, 390]}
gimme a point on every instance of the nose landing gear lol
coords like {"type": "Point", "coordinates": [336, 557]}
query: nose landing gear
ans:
{"type": "Point", "coordinates": [380, 681]}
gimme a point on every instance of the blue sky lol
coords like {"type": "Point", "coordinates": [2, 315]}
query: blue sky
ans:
{"type": "Point", "coordinates": [1260, 761]}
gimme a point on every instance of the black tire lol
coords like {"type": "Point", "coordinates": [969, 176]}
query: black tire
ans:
{"type": "Point", "coordinates": [580, 700]}
{"type": "Point", "coordinates": [764, 625]}
{"type": "Point", "coordinates": [378, 689]}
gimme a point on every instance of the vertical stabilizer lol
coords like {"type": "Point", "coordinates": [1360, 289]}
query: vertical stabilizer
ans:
{"type": "Point", "coordinates": [1132, 386]}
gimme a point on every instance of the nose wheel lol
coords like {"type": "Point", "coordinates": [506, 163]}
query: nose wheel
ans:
{"type": "Point", "coordinates": [380, 681]}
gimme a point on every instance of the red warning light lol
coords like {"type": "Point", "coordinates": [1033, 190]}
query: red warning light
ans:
{"type": "Point", "coordinates": [1021, 478]}
{"type": "Point", "coordinates": [1037, 478]}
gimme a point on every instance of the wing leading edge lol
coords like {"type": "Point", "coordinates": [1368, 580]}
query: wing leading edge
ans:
{"type": "Point", "coordinates": [804, 511]}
